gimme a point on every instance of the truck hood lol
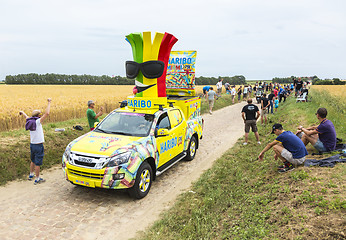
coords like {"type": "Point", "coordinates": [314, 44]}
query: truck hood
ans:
{"type": "Point", "coordinates": [101, 143]}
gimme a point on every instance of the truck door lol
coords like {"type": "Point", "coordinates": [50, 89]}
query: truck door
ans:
{"type": "Point", "coordinates": [163, 142]}
{"type": "Point", "coordinates": [178, 127]}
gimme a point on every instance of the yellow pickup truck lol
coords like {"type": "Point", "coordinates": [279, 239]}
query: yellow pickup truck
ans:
{"type": "Point", "coordinates": [133, 145]}
{"type": "Point", "coordinates": [136, 143]}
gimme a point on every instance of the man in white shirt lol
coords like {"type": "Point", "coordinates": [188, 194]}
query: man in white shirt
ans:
{"type": "Point", "coordinates": [34, 124]}
{"type": "Point", "coordinates": [245, 93]}
{"type": "Point", "coordinates": [219, 86]}
{"type": "Point", "coordinates": [233, 93]}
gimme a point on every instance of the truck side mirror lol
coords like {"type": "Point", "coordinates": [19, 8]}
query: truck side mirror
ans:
{"type": "Point", "coordinates": [161, 132]}
{"type": "Point", "coordinates": [95, 124]}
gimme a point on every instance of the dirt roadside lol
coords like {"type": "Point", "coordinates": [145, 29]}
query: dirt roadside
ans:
{"type": "Point", "coordinates": [60, 210]}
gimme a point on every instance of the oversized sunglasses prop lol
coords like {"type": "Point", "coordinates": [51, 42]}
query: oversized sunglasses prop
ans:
{"type": "Point", "coordinates": [150, 69]}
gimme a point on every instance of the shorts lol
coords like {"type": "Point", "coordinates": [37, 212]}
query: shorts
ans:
{"type": "Point", "coordinates": [319, 146]}
{"type": "Point", "coordinates": [252, 124]}
{"type": "Point", "coordinates": [219, 90]}
{"type": "Point", "coordinates": [37, 153]}
{"type": "Point", "coordinates": [205, 91]}
{"type": "Point", "coordinates": [288, 156]}
{"type": "Point", "coordinates": [211, 103]}
{"type": "Point", "coordinates": [264, 112]}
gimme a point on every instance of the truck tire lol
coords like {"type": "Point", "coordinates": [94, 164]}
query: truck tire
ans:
{"type": "Point", "coordinates": [143, 181]}
{"type": "Point", "coordinates": [191, 151]}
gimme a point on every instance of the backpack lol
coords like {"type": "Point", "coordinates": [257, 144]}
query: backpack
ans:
{"type": "Point", "coordinates": [78, 127]}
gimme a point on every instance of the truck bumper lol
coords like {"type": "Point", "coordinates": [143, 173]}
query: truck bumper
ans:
{"type": "Point", "coordinates": [100, 178]}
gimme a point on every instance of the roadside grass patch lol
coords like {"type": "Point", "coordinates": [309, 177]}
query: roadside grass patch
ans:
{"type": "Point", "coordinates": [15, 150]}
{"type": "Point", "coordinates": [242, 198]}
{"type": "Point", "coordinates": [223, 101]}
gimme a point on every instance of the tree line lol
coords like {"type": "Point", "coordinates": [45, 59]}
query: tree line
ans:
{"type": "Point", "coordinates": [314, 79]}
{"type": "Point", "coordinates": [51, 78]}
{"type": "Point", "coordinates": [235, 80]}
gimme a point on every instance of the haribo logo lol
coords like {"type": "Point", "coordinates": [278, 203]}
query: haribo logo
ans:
{"type": "Point", "coordinates": [169, 144]}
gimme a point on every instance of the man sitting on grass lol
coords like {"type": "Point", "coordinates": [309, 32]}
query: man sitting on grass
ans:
{"type": "Point", "coordinates": [323, 136]}
{"type": "Point", "coordinates": [288, 147]}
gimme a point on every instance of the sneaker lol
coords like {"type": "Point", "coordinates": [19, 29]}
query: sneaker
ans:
{"type": "Point", "coordinates": [40, 180]}
{"type": "Point", "coordinates": [245, 143]}
{"type": "Point", "coordinates": [286, 169]}
{"type": "Point", "coordinates": [259, 142]}
{"type": "Point", "coordinates": [31, 177]}
{"type": "Point", "coordinates": [286, 164]}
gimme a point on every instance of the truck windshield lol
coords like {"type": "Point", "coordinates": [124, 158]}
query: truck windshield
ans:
{"type": "Point", "coordinates": [130, 124]}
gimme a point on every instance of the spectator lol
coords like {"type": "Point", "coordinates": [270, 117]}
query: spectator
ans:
{"type": "Point", "coordinates": [219, 87]}
{"type": "Point", "coordinates": [249, 90]}
{"type": "Point", "coordinates": [245, 93]}
{"type": "Point", "coordinates": [323, 136]}
{"type": "Point", "coordinates": [211, 98]}
{"type": "Point", "coordinates": [239, 93]}
{"type": "Point", "coordinates": [288, 147]}
{"type": "Point", "coordinates": [304, 90]}
{"type": "Point", "coordinates": [271, 102]}
{"type": "Point", "coordinates": [264, 108]}
{"type": "Point", "coordinates": [299, 85]}
{"type": "Point", "coordinates": [34, 124]}
{"type": "Point", "coordinates": [91, 115]}
{"type": "Point", "coordinates": [250, 114]}
{"type": "Point", "coordinates": [276, 91]}
{"type": "Point", "coordinates": [205, 91]}
{"type": "Point", "coordinates": [227, 87]}
{"type": "Point", "coordinates": [283, 95]}
{"type": "Point", "coordinates": [280, 93]}
{"type": "Point", "coordinates": [233, 93]}
{"type": "Point", "coordinates": [276, 104]}
{"type": "Point", "coordinates": [255, 88]}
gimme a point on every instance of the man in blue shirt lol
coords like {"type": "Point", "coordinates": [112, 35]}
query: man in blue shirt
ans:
{"type": "Point", "coordinates": [288, 147]}
{"type": "Point", "coordinates": [323, 136]}
{"type": "Point", "coordinates": [206, 90]}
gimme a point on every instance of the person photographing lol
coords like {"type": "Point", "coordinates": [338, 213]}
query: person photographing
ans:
{"type": "Point", "coordinates": [34, 124]}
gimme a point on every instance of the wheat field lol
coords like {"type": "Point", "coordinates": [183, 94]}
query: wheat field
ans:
{"type": "Point", "coordinates": [68, 101]}
{"type": "Point", "coordinates": [337, 90]}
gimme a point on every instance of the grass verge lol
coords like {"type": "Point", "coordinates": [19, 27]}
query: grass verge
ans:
{"type": "Point", "coordinates": [15, 147]}
{"type": "Point", "coordinates": [242, 198]}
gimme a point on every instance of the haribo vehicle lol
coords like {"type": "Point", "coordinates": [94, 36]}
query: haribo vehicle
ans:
{"type": "Point", "coordinates": [134, 144]}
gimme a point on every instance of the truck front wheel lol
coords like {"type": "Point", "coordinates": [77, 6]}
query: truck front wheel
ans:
{"type": "Point", "coordinates": [143, 181]}
{"type": "Point", "coordinates": [191, 151]}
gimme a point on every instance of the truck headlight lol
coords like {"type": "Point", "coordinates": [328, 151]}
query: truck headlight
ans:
{"type": "Point", "coordinates": [67, 153]}
{"type": "Point", "coordinates": [119, 159]}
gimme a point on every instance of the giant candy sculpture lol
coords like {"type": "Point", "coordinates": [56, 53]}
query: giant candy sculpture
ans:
{"type": "Point", "coordinates": [149, 65]}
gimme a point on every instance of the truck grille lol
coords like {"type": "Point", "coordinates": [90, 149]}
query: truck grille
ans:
{"type": "Point", "coordinates": [88, 161]}
{"type": "Point", "coordinates": [86, 174]}
{"type": "Point", "coordinates": [91, 165]}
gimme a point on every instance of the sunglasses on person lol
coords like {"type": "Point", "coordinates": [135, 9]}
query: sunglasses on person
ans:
{"type": "Point", "coordinates": [150, 69]}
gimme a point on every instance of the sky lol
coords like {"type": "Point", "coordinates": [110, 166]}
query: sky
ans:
{"type": "Point", "coordinates": [257, 39]}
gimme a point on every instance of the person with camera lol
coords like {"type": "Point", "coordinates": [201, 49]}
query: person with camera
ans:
{"type": "Point", "coordinates": [92, 116]}
{"type": "Point", "coordinates": [34, 124]}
